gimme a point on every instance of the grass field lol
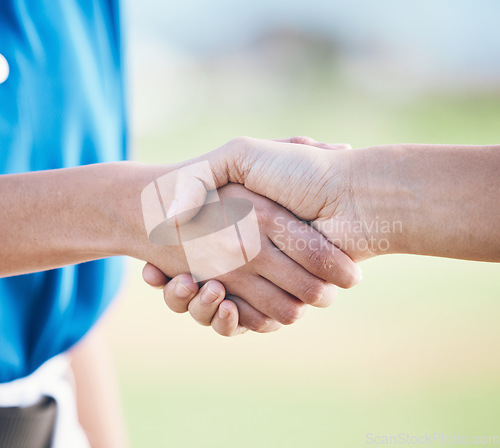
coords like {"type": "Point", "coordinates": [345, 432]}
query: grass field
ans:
{"type": "Point", "coordinates": [413, 349]}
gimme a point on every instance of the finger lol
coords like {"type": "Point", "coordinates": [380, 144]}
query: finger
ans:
{"type": "Point", "coordinates": [203, 307]}
{"type": "Point", "coordinates": [310, 249]}
{"type": "Point", "coordinates": [179, 292]}
{"type": "Point", "coordinates": [297, 281]}
{"type": "Point", "coordinates": [308, 141]}
{"type": "Point", "coordinates": [269, 300]}
{"type": "Point", "coordinates": [192, 183]}
{"type": "Point", "coordinates": [194, 179]}
{"type": "Point", "coordinates": [251, 318]}
{"type": "Point", "coordinates": [225, 320]}
{"type": "Point", "coordinates": [153, 276]}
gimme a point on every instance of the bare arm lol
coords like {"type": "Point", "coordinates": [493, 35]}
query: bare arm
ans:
{"type": "Point", "coordinates": [97, 396]}
{"type": "Point", "coordinates": [444, 199]}
{"type": "Point", "coordinates": [53, 218]}
{"type": "Point", "coordinates": [447, 198]}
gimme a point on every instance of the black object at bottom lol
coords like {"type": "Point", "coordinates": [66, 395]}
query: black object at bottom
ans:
{"type": "Point", "coordinates": [29, 427]}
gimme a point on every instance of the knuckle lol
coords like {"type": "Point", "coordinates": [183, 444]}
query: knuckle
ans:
{"type": "Point", "coordinates": [266, 215]}
{"type": "Point", "coordinates": [240, 142]}
{"type": "Point", "coordinates": [318, 260]}
{"type": "Point", "coordinates": [347, 282]}
{"type": "Point", "coordinates": [292, 314]}
{"type": "Point", "coordinates": [325, 265]}
{"type": "Point", "coordinates": [350, 279]}
{"type": "Point", "coordinates": [313, 292]}
{"type": "Point", "coordinates": [232, 250]}
{"type": "Point", "coordinates": [329, 296]}
{"type": "Point", "coordinates": [328, 267]}
{"type": "Point", "coordinates": [345, 278]}
{"type": "Point", "coordinates": [228, 251]}
{"type": "Point", "coordinates": [260, 324]}
{"type": "Point", "coordinates": [300, 140]}
{"type": "Point", "coordinates": [253, 248]}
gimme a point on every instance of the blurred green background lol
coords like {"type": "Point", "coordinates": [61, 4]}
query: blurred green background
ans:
{"type": "Point", "coordinates": [413, 349]}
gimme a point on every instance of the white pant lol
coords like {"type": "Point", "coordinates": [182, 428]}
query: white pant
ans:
{"type": "Point", "coordinates": [53, 378]}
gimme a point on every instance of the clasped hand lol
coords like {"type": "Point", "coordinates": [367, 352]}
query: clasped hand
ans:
{"type": "Point", "coordinates": [296, 266]}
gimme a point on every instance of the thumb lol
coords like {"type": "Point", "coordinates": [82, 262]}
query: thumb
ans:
{"type": "Point", "coordinates": [191, 186]}
{"type": "Point", "coordinates": [193, 181]}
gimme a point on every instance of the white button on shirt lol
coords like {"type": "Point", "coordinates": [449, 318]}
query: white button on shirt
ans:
{"type": "Point", "coordinates": [4, 68]}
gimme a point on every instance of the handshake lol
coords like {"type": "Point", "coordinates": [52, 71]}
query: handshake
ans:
{"type": "Point", "coordinates": [270, 227]}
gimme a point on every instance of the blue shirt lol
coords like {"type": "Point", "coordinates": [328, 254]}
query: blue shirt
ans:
{"type": "Point", "coordinates": [62, 105]}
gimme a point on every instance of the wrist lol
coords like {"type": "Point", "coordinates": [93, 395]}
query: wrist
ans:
{"type": "Point", "coordinates": [381, 198]}
{"type": "Point", "coordinates": [125, 208]}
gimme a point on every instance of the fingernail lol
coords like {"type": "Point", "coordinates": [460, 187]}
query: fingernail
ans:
{"type": "Point", "coordinates": [208, 296]}
{"type": "Point", "coordinates": [223, 313]}
{"type": "Point", "coordinates": [182, 291]}
{"type": "Point", "coordinates": [173, 209]}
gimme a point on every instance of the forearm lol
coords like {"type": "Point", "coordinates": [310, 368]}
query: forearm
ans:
{"type": "Point", "coordinates": [59, 217]}
{"type": "Point", "coordinates": [97, 395]}
{"type": "Point", "coordinates": [441, 200]}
